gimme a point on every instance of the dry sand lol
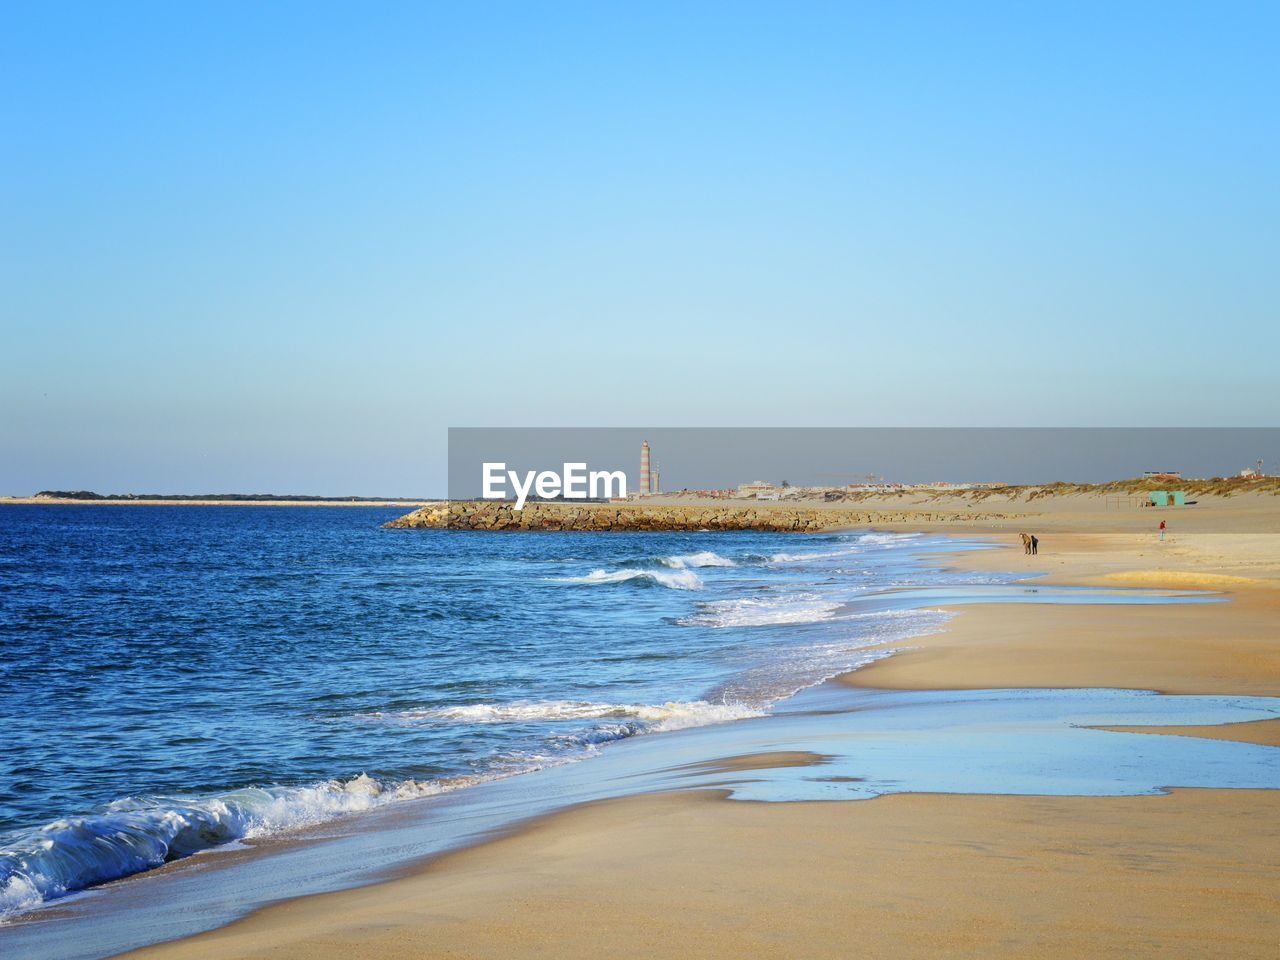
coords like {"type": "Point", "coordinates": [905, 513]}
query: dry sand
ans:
{"type": "Point", "coordinates": [1192, 874]}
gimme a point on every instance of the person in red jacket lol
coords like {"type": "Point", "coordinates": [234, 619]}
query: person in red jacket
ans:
{"type": "Point", "coordinates": [1161, 529]}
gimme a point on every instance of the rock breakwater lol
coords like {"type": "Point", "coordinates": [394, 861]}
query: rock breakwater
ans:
{"type": "Point", "coordinates": [500, 515]}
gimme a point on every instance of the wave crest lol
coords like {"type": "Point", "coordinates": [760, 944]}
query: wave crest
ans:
{"type": "Point", "coordinates": [672, 715]}
{"type": "Point", "coordinates": [138, 833]}
{"type": "Point", "coordinates": [763, 611]}
{"type": "Point", "coordinates": [678, 579]}
{"type": "Point", "coordinates": [850, 548]}
{"type": "Point", "coordinates": [703, 558]}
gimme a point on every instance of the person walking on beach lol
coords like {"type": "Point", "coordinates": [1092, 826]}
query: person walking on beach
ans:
{"type": "Point", "coordinates": [1035, 544]}
{"type": "Point", "coordinates": [1026, 542]}
{"type": "Point", "coordinates": [1162, 530]}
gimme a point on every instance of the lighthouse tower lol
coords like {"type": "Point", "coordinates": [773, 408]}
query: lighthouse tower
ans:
{"type": "Point", "coordinates": [644, 469]}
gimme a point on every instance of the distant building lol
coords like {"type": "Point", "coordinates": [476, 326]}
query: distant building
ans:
{"type": "Point", "coordinates": [644, 469]}
{"type": "Point", "coordinates": [1161, 475]}
{"type": "Point", "coordinates": [760, 489]}
{"type": "Point", "coordinates": [946, 485]}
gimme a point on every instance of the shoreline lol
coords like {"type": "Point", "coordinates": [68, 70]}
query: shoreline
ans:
{"type": "Point", "coordinates": [737, 749]}
{"type": "Point", "coordinates": [921, 511]}
{"type": "Point", "coordinates": [605, 858]}
{"type": "Point", "coordinates": [66, 502]}
{"type": "Point", "coordinates": [908, 875]}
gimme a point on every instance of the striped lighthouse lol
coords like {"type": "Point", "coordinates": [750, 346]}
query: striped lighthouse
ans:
{"type": "Point", "coordinates": [644, 468]}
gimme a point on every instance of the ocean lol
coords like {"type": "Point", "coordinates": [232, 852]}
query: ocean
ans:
{"type": "Point", "coordinates": [175, 680]}
{"type": "Point", "coordinates": [179, 677]}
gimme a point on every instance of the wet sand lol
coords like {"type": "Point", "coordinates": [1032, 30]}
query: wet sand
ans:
{"type": "Point", "coordinates": [1195, 873]}
{"type": "Point", "coordinates": [691, 875]}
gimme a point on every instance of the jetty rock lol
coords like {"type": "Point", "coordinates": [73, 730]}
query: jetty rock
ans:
{"type": "Point", "coordinates": [554, 516]}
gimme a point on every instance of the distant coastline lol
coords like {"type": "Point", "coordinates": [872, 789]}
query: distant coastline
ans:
{"type": "Point", "coordinates": [88, 497]}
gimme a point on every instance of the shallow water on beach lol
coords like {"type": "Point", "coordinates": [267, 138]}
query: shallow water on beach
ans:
{"type": "Point", "coordinates": [864, 743]}
{"type": "Point", "coordinates": [175, 680]}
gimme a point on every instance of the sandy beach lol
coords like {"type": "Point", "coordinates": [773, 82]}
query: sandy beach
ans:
{"type": "Point", "coordinates": [716, 363]}
{"type": "Point", "coordinates": [1194, 873]}
{"type": "Point", "coordinates": [66, 502]}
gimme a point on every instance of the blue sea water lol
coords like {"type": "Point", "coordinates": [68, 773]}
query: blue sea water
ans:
{"type": "Point", "coordinates": [176, 678]}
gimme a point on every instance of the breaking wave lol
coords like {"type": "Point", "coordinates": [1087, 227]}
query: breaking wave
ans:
{"type": "Point", "coordinates": [138, 833]}
{"type": "Point", "coordinates": [673, 715]}
{"type": "Point", "coordinates": [678, 579]}
{"type": "Point", "coordinates": [848, 549]}
{"type": "Point", "coordinates": [675, 572]}
{"type": "Point", "coordinates": [763, 611]}
{"type": "Point", "coordinates": [887, 539]}
{"type": "Point", "coordinates": [816, 555]}
{"type": "Point", "coordinates": [703, 558]}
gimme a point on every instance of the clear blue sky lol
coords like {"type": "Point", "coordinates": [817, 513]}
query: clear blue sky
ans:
{"type": "Point", "coordinates": [283, 246]}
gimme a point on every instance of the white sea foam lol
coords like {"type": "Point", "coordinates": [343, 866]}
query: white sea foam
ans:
{"type": "Point", "coordinates": [703, 558]}
{"type": "Point", "coordinates": [887, 538]}
{"type": "Point", "coordinates": [137, 834]}
{"type": "Point", "coordinates": [763, 611]}
{"type": "Point", "coordinates": [608, 721]}
{"type": "Point", "coordinates": [847, 548]}
{"type": "Point", "coordinates": [679, 579]}
{"type": "Point", "coordinates": [672, 715]}
{"type": "Point", "coordinates": [815, 555]}
{"type": "Point", "coordinates": [18, 893]}
{"type": "Point", "coordinates": [805, 667]}
{"type": "Point", "coordinates": [861, 639]}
